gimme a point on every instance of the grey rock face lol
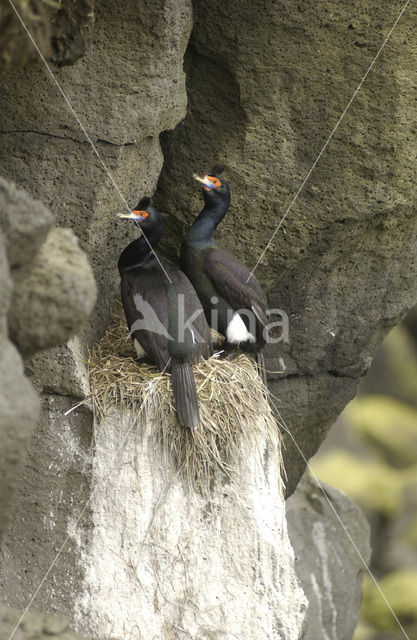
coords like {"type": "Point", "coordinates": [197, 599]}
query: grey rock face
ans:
{"type": "Point", "coordinates": [343, 264]}
{"type": "Point", "coordinates": [61, 370]}
{"type": "Point", "coordinates": [19, 411]}
{"type": "Point", "coordinates": [53, 295]}
{"type": "Point", "coordinates": [53, 489]}
{"type": "Point", "coordinates": [49, 294]}
{"type": "Point", "coordinates": [219, 568]}
{"type": "Point", "coordinates": [128, 88]}
{"type": "Point", "coordinates": [266, 84]}
{"type": "Point", "coordinates": [25, 223]}
{"type": "Point", "coordinates": [15, 46]}
{"type": "Point", "coordinates": [35, 626]}
{"type": "Point", "coordinates": [307, 407]}
{"type": "Point", "coordinates": [148, 557]}
{"type": "Point", "coordinates": [329, 568]}
{"type": "Point", "coordinates": [19, 405]}
{"type": "Point", "coordinates": [70, 30]}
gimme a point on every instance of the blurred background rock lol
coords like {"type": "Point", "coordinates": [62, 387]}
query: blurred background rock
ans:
{"type": "Point", "coordinates": [371, 454]}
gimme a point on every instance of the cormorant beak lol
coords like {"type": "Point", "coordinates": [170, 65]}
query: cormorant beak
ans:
{"type": "Point", "coordinates": [205, 181]}
{"type": "Point", "coordinates": [132, 215]}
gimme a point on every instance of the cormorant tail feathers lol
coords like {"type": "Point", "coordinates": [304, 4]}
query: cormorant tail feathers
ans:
{"type": "Point", "coordinates": [185, 394]}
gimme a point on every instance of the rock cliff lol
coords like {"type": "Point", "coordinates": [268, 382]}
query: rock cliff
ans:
{"type": "Point", "coordinates": [164, 89]}
{"type": "Point", "coordinates": [266, 86]}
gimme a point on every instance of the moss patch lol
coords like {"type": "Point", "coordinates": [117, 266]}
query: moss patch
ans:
{"type": "Point", "coordinates": [370, 483]}
{"type": "Point", "coordinates": [388, 425]}
{"type": "Point", "coordinates": [399, 588]}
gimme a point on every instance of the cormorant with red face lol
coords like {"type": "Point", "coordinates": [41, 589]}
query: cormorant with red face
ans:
{"type": "Point", "coordinates": [232, 298]}
{"type": "Point", "coordinates": [158, 300]}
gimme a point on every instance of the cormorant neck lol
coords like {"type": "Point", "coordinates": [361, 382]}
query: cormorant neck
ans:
{"type": "Point", "coordinates": [140, 250]}
{"type": "Point", "coordinates": [207, 220]}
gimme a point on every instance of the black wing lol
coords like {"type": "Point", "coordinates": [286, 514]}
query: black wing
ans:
{"type": "Point", "coordinates": [146, 309]}
{"type": "Point", "coordinates": [151, 308]}
{"type": "Point", "coordinates": [230, 277]}
{"type": "Point", "coordinates": [192, 309]}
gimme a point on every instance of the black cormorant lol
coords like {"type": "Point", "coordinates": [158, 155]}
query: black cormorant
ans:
{"type": "Point", "coordinates": [232, 298]}
{"type": "Point", "coordinates": [158, 300]}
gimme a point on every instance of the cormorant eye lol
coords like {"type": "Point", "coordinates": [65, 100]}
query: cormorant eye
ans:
{"type": "Point", "coordinates": [140, 214]}
{"type": "Point", "coordinates": [215, 181]}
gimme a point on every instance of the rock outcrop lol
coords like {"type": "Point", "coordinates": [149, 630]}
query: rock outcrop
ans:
{"type": "Point", "coordinates": [19, 411]}
{"type": "Point", "coordinates": [38, 293]}
{"type": "Point", "coordinates": [19, 406]}
{"type": "Point", "coordinates": [343, 268]}
{"type": "Point", "coordinates": [36, 626]}
{"type": "Point", "coordinates": [126, 90]}
{"type": "Point", "coordinates": [24, 222]}
{"type": "Point", "coordinates": [327, 564]}
{"type": "Point", "coordinates": [266, 83]}
{"type": "Point", "coordinates": [53, 296]}
{"type": "Point", "coordinates": [61, 31]}
{"type": "Point", "coordinates": [148, 556]}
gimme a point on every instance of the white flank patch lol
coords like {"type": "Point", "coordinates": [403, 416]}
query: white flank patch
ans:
{"type": "Point", "coordinates": [236, 331]}
{"type": "Point", "coordinates": [139, 349]}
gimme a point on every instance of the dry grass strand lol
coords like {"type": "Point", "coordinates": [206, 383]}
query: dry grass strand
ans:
{"type": "Point", "coordinates": [234, 410]}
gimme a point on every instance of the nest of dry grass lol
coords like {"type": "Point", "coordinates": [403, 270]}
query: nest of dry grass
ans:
{"type": "Point", "coordinates": [234, 409]}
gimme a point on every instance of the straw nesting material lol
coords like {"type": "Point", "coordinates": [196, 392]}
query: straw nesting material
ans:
{"type": "Point", "coordinates": [234, 409]}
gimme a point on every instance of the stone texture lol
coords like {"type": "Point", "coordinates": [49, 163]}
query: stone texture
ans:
{"type": "Point", "coordinates": [61, 31]}
{"type": "Point", "coordinates": [329, 568]}
{"type": "Point", "coordinates": [306, 406]}
{"type": "Point", "coordinates": [266, 86]}
{"type": "Point", "coordinates": [53, 489]}
{"type": "Point", "coordinates": [126, 90]}
{"type": "Point", "coordinates": [150, 557]}
{"type": "Point", "coordinates": [61, 369]}
{"type": "Point", "coordinates": [35, 626]}
{"type": "Point", "coordinates": [19, 406]}
{"type": "Point", "coordinates": [218, 568]}
{"type": "Point", "coordinates": [19, 410]}
{"type": "Point", "coordinates": [71, 29]}
{"type": "Point", "coordinates": [49, 294]}
{"type": "Point", "coordinates": [128, 87]}
{"type": "Point", "coordinates": [25, 223]}
{"type": "Point", "coordinates": [15, 46]}
{"type": "Point", "coordinates": [53, 296]}
{"type": "Point", "coordinates": [5, 286]}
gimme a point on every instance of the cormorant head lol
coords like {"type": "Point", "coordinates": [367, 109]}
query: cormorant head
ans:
{"type": "Point", "coordinates": [144, 215]}
{"type": "Point", "coordinates": [215, 187]}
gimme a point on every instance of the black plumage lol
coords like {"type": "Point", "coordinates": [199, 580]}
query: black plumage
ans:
{"type": "Point", "coordinates": [223, 283]}
{"type": "Point", "coordinates": [157, 297]}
